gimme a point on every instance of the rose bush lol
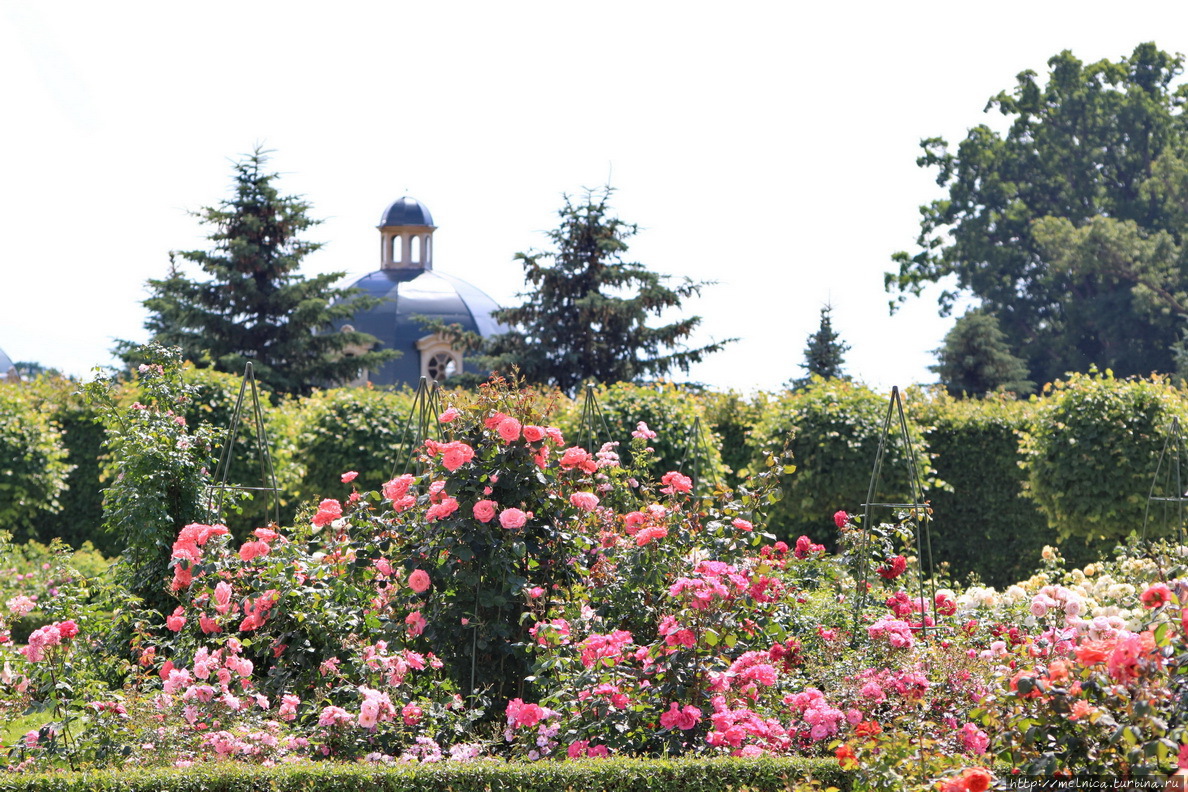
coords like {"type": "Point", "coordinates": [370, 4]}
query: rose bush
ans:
{"type": "Point", "coordinates": [518, 596]}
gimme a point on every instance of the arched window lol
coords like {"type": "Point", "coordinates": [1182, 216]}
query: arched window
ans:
{"type": "Point", "coordinates": [415, 251]}
{"type": "Point", "coordinates": [442, 366]}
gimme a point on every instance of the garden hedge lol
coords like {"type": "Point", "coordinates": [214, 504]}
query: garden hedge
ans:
{"type": "Point", "coordinates": [833, 428]}
{"type": "Point", "coordinates": [1092, 444]}
{"type": "Point", "coordinates": [764, 774]}
{"type": "Point", "coordinates": [361, 429]}
{"type": "Point", "coordinates": [33, 466]}
{"type": "Point", "coordinates": [981, 522]}
{"type": "Point", "coordinates": [81, 516]}
{"type": "Point", "coordinates": [1092, 453]}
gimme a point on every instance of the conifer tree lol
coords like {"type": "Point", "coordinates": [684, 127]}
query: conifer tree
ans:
{"type": "Point", "coordinates": [586, 313]}
{"type": "Point", "coordinates": [976, 360]}
{"type": "Point", "coordinates": [256, 306]}
{"type": "Point", "coordinates": [824, 352]}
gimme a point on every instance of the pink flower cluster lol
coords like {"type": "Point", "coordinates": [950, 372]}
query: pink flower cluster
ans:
{"type": "Point", "coordinates": [675, 482]}
{"type": "Point", "coordinates": [376, 708]}
{"type": "Point", "coordinates": [580, 458]}
{"type": "Point", "coordinates": [47, 637]}
{"type": "Point", "coordinates": [329, 510]}
{"type": "Point", "coordinates": [677, 717]}
{"type": "Point", "coordinates": [525, 716]}
{"type": "Point", "coordinates": [895, 632]}
{"type": "Point", "coordinates": [712, 581]}
{"type": "Point", "coordinates": [607, 647]}
{"type": "Point", "coordinates": [733, 726]}
{"type": "Point", "coordinates": [397, 492]}
{"type": "Point", "coordinates": [823, 720]}
{"type": "Point", "coordinates": [453, 455]}
{"type": "Point", "coordinates": [187, 553]}
{"type": "Point", "coordinates": [805, 548]}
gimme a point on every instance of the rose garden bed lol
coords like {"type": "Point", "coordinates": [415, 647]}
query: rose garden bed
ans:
{"type": "Point", "coordinates": [520, 599]}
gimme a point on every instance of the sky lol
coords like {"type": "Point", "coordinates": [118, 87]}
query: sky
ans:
{"type": "Point", "coordinates": [768, 147]}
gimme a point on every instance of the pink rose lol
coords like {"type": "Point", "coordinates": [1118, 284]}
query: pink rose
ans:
{"type": "Point", "coordinates": [440, 511]}
{"type": "Point", "coordinates": [508, 429]}
{"type": "Point", "coordinates": [349, 476]}
{"type": "Point", "coordinates": [484, 511]}
{"type": "Point", "coordinates": [455, 455]}
{"type": "Point", "coordinates": [586, 501]}
{"type": "Point", "coordinates": [534, 434]}
{"type": "Point", "coordinates": [675, 482]}
{"type": "Point", "coordinates": [449, 415]}
{"type": "Point", "coordinates": [177, 620]}
{"type": "Point", "coordinates": [743, 525]}
{"type": "Point", "coordinates": [418, 580]}
{"type": "Point", "coordinates": [512, 518]}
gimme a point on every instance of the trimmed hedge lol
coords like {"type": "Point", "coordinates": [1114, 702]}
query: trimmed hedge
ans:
{"type": "Point", "coordinates": [343, 429]}
{"type": "Point", "coordinates": [982, 523]}
{"type": "Point", "coordinates": [1092, 452]}
{"type": "Point", "coordinates": [33, 467]}
{"type": "Point", "coordinates": [81, 517]}
{"type": "Point", "coordinates": [764, 774]}
{"type": "Point", "coordinates": [833, 428]}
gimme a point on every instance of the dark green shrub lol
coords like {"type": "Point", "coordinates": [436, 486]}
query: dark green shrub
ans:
{"type": "Point", "coordinates": [983, 524]}
{"type": "Point", "coordinates": [80, 519]}
{"type": "Point", "coordinates": [833, 428]}
{"type": "Point", "coordinates": [360, 429]}
{"type": "Point", "coordinates": [732, 416]}
{"type": "Point", "coordinates": [33, 466]}
{"type": "Point", "coordinates": [1093, 450]}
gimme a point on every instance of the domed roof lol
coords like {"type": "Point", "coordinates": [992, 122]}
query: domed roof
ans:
{"type": "Point", "coordinates": [406, 212]}
{"type": "Point", "coordinates": [6, 363]}
{"type": "Point", "coordinates": [410, 293]}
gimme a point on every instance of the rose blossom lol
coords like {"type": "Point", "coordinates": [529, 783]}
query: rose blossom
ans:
{"type": "Point", "coordinates": [484, 511]}
{"type": "Point", "coordinates": [418, 581]}
{"type": "Point", "coordinates": [512, 518]}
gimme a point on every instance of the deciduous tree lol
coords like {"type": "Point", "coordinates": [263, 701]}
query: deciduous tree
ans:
{"type": "Point", "coordinates": [1068, 227]}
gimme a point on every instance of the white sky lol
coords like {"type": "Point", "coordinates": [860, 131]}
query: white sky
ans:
{"type": "Point", "coordinates": [769, 146]}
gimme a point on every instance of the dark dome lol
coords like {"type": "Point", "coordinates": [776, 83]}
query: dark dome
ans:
{"type": "Point", "coordinates": [406, 212]}
{"type": "Point", "coordinates": [411, 293]}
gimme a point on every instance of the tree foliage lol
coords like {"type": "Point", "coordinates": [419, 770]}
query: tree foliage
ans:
{"type": "Point", "coordinates": [976, 360]}
{"type": "Point", "coordinates": [585, 315]}
{"type": "Point", "coordinates": [1068, 227]}
{"type": "Point", "coordinates": [256, 306]}
{"type": "Point", "coordinates": [824, 351]}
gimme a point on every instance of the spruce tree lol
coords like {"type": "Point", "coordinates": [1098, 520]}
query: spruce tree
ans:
{"type": "Point", "coordinates": [976, 360]}
{"type": "Point", "coordinates": [824, 352]}
{"type": "Point", "coordinates": [585, 315]}
{"type": "Point", "coordinates": [255, 305]}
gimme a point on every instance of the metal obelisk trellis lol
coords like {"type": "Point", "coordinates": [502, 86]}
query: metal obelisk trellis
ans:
{"type": "Point", "coordinates": [216, 492]}
{"type": "Point", "coordinates": [917, 511]}
{"type": "Point", "coordinates": [592, 418]}
{"type": "Point", "coordinates": [422, 419]}
{"type": "Point", "coordinates": [696, 441]}
{"type": "Point", "coordinates": [1174, 496]}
